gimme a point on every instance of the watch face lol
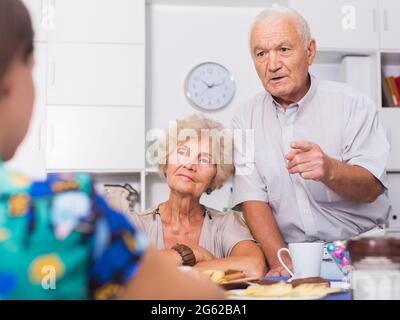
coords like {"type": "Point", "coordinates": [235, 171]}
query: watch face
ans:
{"type": "Point", "coordinates": [210, 86]}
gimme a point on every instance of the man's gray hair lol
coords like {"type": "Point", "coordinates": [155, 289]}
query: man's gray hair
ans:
{"type": "Point", "coordinates": [275, 13]}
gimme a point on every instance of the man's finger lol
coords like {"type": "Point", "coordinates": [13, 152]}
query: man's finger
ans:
{"type": "Point", "coordinates": [290, 156]}
{"type": "Point", "coordinates": [302, 158]}
{"type": "Point", "coordinates": [300, 167]}
{"type": "Point", "coordinates": [302, 145]}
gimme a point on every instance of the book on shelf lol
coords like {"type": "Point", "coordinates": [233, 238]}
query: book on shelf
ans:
{"type": "Point", "coordinates": [387, 98]}
{"type": "Point", "coordinates": [396, 92]}
{"type": "Point", "coordinates": [393, 99]}
{"type": "Point", "coordinates": [397, 85]}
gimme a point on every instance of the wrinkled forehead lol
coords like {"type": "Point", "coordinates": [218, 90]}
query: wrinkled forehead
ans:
{"type": "Point", "coordinates": [197, 144]}
{"type": "Point", "coordinates": [275, 32]}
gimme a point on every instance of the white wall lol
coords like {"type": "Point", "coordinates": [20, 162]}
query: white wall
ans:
{"type": "Point", "coordinates": [178, 38]}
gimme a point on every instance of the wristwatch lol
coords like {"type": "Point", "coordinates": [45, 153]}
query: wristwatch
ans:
{"type": "Point", "coordinates": [187, 254]}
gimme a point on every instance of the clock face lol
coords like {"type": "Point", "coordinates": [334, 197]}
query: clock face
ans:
{"type": "Point", "coordinates": [210, 86]}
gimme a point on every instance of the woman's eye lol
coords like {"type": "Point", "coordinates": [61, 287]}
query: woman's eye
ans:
{"type": "Point", "coordinates": [182, 151]}
{"type": "Point", "coordinates": [204, 161]}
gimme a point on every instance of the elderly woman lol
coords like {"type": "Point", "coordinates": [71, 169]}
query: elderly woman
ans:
{"type": "Point", "coordinates": [198, 161]}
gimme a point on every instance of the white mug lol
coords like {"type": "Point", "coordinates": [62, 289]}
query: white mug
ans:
{"type": "Point", "coordinates": [306, 258]}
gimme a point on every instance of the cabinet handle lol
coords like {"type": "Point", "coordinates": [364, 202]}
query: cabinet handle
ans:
{"type": "Point", "coordinates": [51, 138]}
{"type": "Point", "coordinates": [385, 20]}
{"type": "Point", "coordinates": [388, 132]}
{"type": "Point", "coordinates": [374, 20]}
{"type": "Point", "coordinates": [40, 138]}
{"type": "Point", "coordinates": [54, 74]}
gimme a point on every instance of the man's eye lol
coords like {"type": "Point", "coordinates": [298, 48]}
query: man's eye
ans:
{"type": "Point", "coordinates": [285, 49]}
{"type": "Point", "coordinates": [260, 54]}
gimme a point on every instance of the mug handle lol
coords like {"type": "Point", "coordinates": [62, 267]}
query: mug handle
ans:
{"type": "Point", "coordinates": [281, 261]}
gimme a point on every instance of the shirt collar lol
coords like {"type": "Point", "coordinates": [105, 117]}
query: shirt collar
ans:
{"type": "Point", "coordinates": [303, 101]}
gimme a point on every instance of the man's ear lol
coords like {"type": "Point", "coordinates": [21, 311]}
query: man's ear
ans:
{"type": "Point", "coordinates": [311, 51]}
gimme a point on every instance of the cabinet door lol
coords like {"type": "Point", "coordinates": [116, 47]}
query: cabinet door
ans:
{"type": "Point", "coordinates": [104, 21]}
{"type": "Point", "coordinates": [30, 156]}
{"type": "Point", "coordinates": [341, 23]}
{"type": "Point", "coordinates": [390, 24]}
{"type": "Point", "coordinates": [41, 18]}
{"type": "Point", "coordinates": [95, 138]}
{"type": "Point", "coordinates": [96, 74]}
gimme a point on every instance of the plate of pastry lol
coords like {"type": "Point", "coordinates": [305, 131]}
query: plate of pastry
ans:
{"type": "Point", "coordinates": [282, 291]}
{"type": "Point", "coordinates": [229, 276]}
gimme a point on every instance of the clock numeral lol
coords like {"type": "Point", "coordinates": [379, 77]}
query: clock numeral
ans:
{"type": "Point", "coordinates": [210, 71]}
{"type": "Point", "coordinates": [196, 79]}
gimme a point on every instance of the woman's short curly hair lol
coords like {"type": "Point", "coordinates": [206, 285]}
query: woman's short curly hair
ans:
{"type": "Point", "coordinates": [200, 127]}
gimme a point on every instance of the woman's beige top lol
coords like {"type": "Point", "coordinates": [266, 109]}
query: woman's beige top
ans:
{"type": "Point", "coordinates": [221, 231]}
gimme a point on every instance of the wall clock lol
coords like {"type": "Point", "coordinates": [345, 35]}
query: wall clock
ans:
{"type": "Point", "coordinates": [210, 86]}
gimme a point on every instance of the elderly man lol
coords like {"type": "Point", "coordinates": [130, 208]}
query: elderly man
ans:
{"type": "Point", "coordinates": [318, 171]}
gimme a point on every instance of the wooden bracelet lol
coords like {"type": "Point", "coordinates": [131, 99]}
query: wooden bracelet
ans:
{"type": "Point", "coordinates": [187, 254]}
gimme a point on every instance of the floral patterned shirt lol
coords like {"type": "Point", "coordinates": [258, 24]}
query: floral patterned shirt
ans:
{"type": "Point", "coordinates": [60, 240]}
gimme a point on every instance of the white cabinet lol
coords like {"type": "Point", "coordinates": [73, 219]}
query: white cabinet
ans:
{"type": "Point", "coordinates": [95, 138]}
{"type": "Point", "coordinates": [88, 21]}
{"type": "Point", "coordinates": [30, 156]}
{"type": "Point", "coordinates": [390, 24]}
{"type": "Point", "coordinates": [98, 21]}
{"type": "Point", "coordinates": [341, 23]}
{"type": "Point", "coordinates": [96, 74]}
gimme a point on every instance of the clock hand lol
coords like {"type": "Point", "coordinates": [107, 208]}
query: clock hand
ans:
{"type": "Point", "coordinates": [208, 86]}
{"type": "Point", "coordinates": [219, 84]}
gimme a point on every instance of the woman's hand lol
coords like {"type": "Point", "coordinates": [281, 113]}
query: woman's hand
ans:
{"type": "Point", "coordinates": [277, 270]}
{"type": "Point", "coordinates": [202, 254]}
